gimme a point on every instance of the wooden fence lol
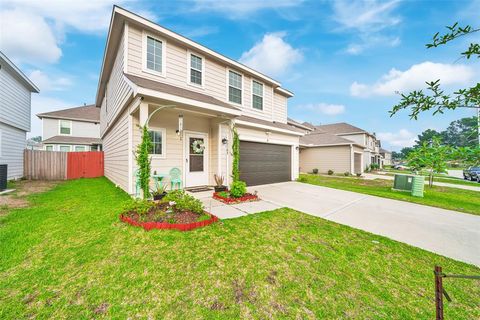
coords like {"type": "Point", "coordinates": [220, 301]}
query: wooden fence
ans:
{"type": "Point", "coordinates": [54, 165]}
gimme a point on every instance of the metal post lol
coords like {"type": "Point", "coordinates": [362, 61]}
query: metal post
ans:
{"type": "Point", "coordinates": [438, 293]}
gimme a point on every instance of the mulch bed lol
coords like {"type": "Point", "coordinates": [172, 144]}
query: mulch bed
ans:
{"type": "Point", "coordinates": [162, 216]}
{"type": "Point", "coordinates": [247, 197]}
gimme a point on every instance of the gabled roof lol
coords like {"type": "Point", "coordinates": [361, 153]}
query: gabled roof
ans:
{"type": "Point", "coordinates": [320, 138]}
{"type": "Point", "coordinates": [72, 140]}
{"type": "Point", "coordinates": [297, 124]}
{"type": "Point", "coordinates": [381, 150]}
{"type": "Point", "coordinates": [341, 128]}
{"type": "Point", "coordinates": [120, 16]}
{"type": "Point", "coordinates": [88, 113]}
{"type": "Point", "coordinates": [23, 78]}
{"type": "Point", "coordinates": [177, 91]}
{"type": "Point", "coordinates": [272, 124]}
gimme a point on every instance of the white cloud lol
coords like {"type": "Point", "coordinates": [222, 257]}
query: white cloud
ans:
{"type": "Point", "coordinates": [47, 83]}
{"type": "Point", "coordinates": [272, 56]}
{"type": "Point", "coordinates": [367, 20]}
{"type": "Point", "coordinates": [414, 78]}
{"type": "Point", "coordinates": [242, 8]}
{"type": "Point", "coordinates": [400, 139]}
{"type": "Point", "coordinates": [26, 37]}
{"type": "Point", "coordinates": [36, 29]}
{"type": "Point", "coordinates": [324, 108]}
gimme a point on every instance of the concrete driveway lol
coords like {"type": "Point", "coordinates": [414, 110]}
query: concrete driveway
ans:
{"type": "Point", "coordinates": [449, 233]}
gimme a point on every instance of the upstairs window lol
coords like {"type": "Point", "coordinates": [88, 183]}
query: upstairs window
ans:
{"type": "Point", "coordinates": [234, 87]}
{"type": "Point", "coordinates": [154, 60]}
{"type": "Point", "coordinates": [196, 70]}
{"type": "Point", "coordinates": [257, 95]}
{"type": "Point", "coordinates": [65, 127]}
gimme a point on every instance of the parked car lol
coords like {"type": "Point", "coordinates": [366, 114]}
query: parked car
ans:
{"type": "Point", "coordinates": [400, 166]}
{"type": "Point", "coordinates": [472, 173]}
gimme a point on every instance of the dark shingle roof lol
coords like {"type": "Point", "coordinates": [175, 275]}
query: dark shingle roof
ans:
{"type": "Point", "coordinates": [177, 91]}
{"type": "Point", "coordinates": [73, 140]}
{"type": "Point", "coordinates": [86, 113]}
{"type": "Point", "coordinates": [319, 138]}
{"type": "Point", "coordinates": [341, 127]}
{"type": "Point", "coordinates": [274, 124]}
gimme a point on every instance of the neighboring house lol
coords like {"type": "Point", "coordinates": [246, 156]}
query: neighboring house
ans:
{"type": "Point", "coordinates": [73, 129]}
{"type": "Point", "coordinates": [15, 108]}
{"type": "Point", "coordinates": [387, 157]}
{"type": "Point", "coordinates": [191, 97]}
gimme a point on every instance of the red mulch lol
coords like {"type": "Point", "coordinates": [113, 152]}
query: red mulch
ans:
{"type": "Point", "coordinates": [247, 197]}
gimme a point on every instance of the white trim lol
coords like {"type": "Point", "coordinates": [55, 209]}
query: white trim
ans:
{"type": "Point", "coordinates": [64, 145]}
{"type": "Point", "coordinates": [329, 145]}
{"type": "Point", "coordinates": [253, 94]}
{"type": "Point", "coordinates": [49, 145]}
{"type": "Point", "coordinates": [33, 87]}
{"type": "Point", "coordinates": [256, 125]}
{"type": "Point", "coordinates": [40, 116]}
{"type": "Point", "coordinates": [80, 145]}
{"type": "Point", "coordinates": [130, 153]}
{"type": "Point", "coordinates": [189, 70]}
{"type": "Point", "coordinates": [164, 142]}
{"type": "Point", "coordinates": [187, 101]}
{"type": "Point", "coordinates": [228, 85]}
{"type": "Point", "coordinates": [285, 92]}
{"type": "Point", "coordinates": [146, 34]}
{"type": "Point", "coordinates": [125, 47]}
{"type": "Point", "coordinates": [60, 125]}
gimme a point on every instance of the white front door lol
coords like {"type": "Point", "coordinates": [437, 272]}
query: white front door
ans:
{"type": "Point", "coordinates": [196, 159]}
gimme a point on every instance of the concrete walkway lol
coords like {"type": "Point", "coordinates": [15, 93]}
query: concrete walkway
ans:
{"type": "Point", "coordinates": [224, 211]}
{"type": "Point", "coordinates": [449, 233]}
{"type": "Point", "coordinates": [373, 176]}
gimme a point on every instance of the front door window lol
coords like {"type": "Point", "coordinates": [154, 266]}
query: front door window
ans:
{"type": "Point", "coordinates": [197, 148]}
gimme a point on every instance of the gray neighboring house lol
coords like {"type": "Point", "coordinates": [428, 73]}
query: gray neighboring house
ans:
{"type": "Point", "coordinates": [387, 157]}
{"type": "Point", "coordinates": [15, 109]}
{"type": "Point", "coordinates": [73, 129]}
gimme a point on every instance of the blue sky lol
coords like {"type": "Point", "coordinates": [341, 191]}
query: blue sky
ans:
{"type": "Point", "coordinates": [344, 60]}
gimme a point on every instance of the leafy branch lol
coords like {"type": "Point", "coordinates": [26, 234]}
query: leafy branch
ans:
{"type": "Point", "coordinates": [456, 32]}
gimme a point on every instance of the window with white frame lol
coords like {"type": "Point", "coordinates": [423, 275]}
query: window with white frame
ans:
{"type": "Point", "coordinates": [154, 54]}
{"type": "Point", "coordinates": [257, 95]}
{"type": "Point", "coordinates": [65, 148]}
{"type": "Point", "coordinates": [80, 148]}
{"type": "Point", "coordinates": [65, 127]}
{"type": "Point", "coordinates": [196, 69]}
{"type": "Point", "coordinates": [157, 136]}
{"type": "Point", "coordinates": [234, 87]}
{"type": "Point", "coordinates": [48, 148]}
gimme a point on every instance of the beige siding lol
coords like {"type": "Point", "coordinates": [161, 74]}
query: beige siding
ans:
{"type": "Point", "coordinates": [115, 147]}
{"type": "Point", "coordinates": [79, 128]}
{"type": "Point", "coordinates": [12, 144]}
{"type": "Point", "coordinates": [280, 108]}
{"type": "Point", "coordinates": [359, 138]}
{"type": "Point", "coordinates": [337, 158]}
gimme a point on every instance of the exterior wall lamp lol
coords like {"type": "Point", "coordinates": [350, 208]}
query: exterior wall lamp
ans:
{"type": "Point", "coordinates": [224, 141]}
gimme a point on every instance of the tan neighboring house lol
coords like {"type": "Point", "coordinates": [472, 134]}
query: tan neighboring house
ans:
{"type": "Point", "coordinates": [387, 157]}
{"type": "Point", "coordinates": [191, 97]}
{"type": "Point", "coordinates": [74, 129]}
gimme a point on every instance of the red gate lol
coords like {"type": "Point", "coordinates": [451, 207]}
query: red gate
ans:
{"type": "Point", "coordinates": [84, 164]}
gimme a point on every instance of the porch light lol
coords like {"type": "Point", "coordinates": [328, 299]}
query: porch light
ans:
{"type": "Point", "coordinates": [224, 141]}
{"type": "Point", "coordinates": [180, 125]}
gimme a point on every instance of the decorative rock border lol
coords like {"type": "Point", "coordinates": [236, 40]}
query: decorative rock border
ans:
{"type": "Point", "coordinates": [165, 225]}
{"type": "Point", "coordinates": [248, 197]}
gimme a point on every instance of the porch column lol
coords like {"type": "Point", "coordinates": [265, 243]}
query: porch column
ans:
{"type": "Point", "coordinates": [143, 110]}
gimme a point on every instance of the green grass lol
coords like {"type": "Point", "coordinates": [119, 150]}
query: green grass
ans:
{"type": "Point", "coordinates": [68, 257]}
{"type": "Point", "coordinates": [443, 197]}
{"type": "Point", "coordinates": [441, 178]}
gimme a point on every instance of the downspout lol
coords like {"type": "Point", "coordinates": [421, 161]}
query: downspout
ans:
{"type": "Point", "coordinates": [352, 160]}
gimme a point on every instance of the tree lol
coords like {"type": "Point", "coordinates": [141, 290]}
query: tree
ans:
{"type": "Point", "coordinates": [435, 98]}
{"type": "Point", "coordinates": [461, 133]}
{"type": "Point", "coordinates": [405, 152]}
{"type": "Point", "coordinates": [426, 136]}
{"type": "Point", "coordinates": [432, 156]}
{"type": "Point", "coordinates": [396, 155]}
{"type": "Point", "coordinates": [236, 156]}
{"type": "Point", "coordinates": [468, 155]}
{"type": "Point", "coordinates": [143, 161]}
{"type": "Point", "coordinates": [36, 139]}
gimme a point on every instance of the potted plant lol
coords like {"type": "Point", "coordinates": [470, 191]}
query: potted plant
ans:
{"type": "Point", "coordinates": [219, 183]}
{"type": "Point", "coordinates": [160, 192]}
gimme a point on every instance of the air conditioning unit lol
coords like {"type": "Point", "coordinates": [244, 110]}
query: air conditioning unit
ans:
{"type": "Point", "coordinates": [3, 176]}
{"type": "Point", "coordinates": [403, 182]}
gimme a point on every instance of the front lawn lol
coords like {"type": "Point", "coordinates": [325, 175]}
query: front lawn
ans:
{"type": "Point", "coordinates": [443, 197]}
{"type": "Point", "coordinates": [68, 256]}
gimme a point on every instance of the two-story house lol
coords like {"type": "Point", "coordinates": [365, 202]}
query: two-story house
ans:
{"type": "Point", "coordinates": [15, 108]}
{"type": "Point", "coordinates": [191, 98]}
{"type": "Point", "coordinates": [73, 129]}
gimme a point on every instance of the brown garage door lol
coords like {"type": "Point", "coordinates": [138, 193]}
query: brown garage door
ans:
{"type": "Point", "coordinates": [262, 163]}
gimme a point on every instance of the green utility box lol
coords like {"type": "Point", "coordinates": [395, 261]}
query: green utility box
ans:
{"type": "Point", "coordinates": [418, 186]}
{"type": "Point", "coordinates": [403, 182]}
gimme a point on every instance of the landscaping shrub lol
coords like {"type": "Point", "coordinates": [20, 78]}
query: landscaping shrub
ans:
{"type": "Point", "coordinates": [346, 173]}
{"type": "Point", "coordinates": [330, 172]}
{"type": "Point", "coordinates": [359, 174]}
{"type": "Point", "coordinates": [315, 171]}
{"type": "Point", "coordinates": [138, 206]}
{"type": "Point", "coordinates": [238, 189]}
{"type": "Point", "coordinates": [184, 201]}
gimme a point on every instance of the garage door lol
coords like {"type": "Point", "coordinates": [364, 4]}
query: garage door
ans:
{"type": "Point", "coordinates": [262, 163]}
